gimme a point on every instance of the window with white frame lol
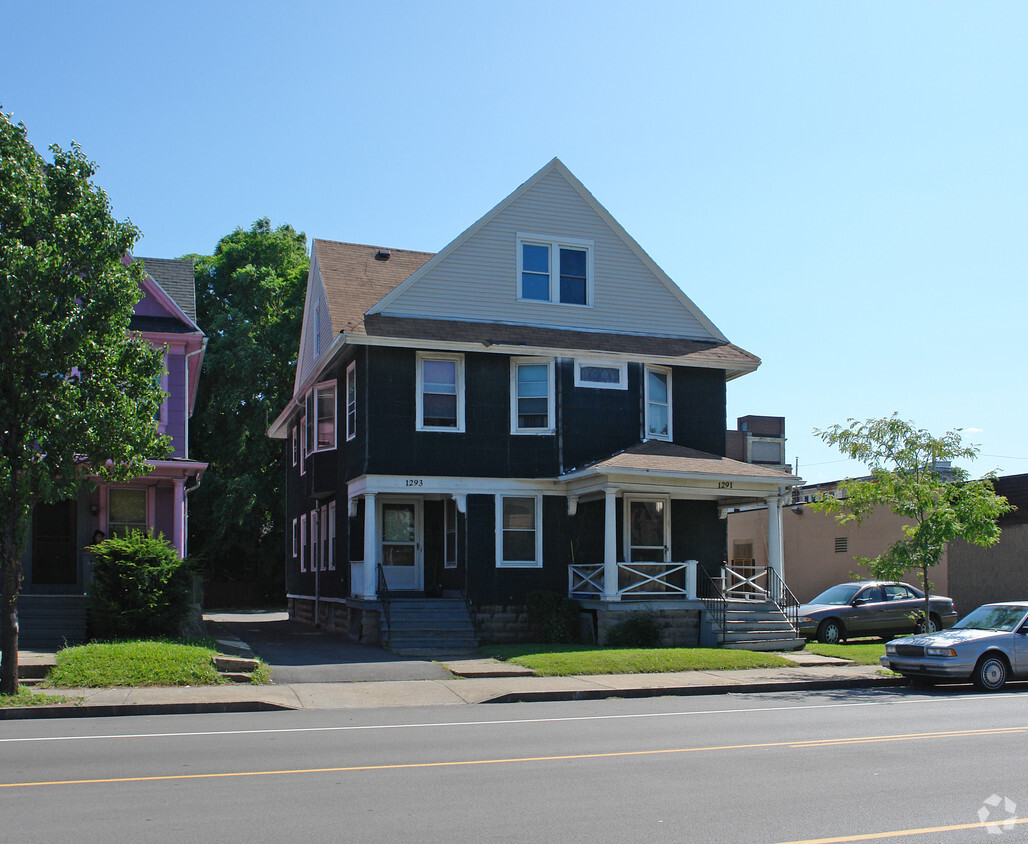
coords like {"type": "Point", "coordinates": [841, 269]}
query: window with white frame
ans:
{"type": "Point", "coordinates": [303, 445]}
{"type": "Point", "coordinates": [440, 385]}
{"type": "Point", "coordinates": [303, 543]}
{"type": "Point", "coordinates": [331, 546]}
{"type": "Point", "coordinates": [294, 437]}
{"type": "Point", "coordinates": [351, 400]}
{"type": "Point", "coordinates": [519, 538]}
{"type": "Point", "coordinates": [296, 537]}
{"type": "Point", "coordinates": [658, 403]}
{"type": "Point", "coordinates": [557, 270]}
{"type": "Point", "coordinates": [315, 543]}
{"type": "Point", "coordinates": [450, 534]}
{"type": "Point", "coordinates": [126, 510]}
{"type": "Point", "coordinates": [531, 396]}
{"type": "Point", "coordinates": [603, 376]}
{"type": "Point", "coordinates": [321, 417]}
{"type": "Point", "coordinates": [324, 536]}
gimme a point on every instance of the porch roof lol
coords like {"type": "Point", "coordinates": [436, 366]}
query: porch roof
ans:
{"type": "Point", "coordinates": [668, 464]}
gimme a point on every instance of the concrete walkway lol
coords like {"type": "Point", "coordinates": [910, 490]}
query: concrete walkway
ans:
{"type": "Point", "coordinates": [370, 677]}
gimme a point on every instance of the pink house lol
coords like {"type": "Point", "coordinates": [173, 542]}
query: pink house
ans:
{"type": "Point", "coordinates": [54, 596]}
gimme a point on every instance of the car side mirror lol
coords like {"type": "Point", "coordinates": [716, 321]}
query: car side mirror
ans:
{"type": "Point", "coordinates": [1023, 630]}
{"type": "Point", "coordinates": [856, 602]}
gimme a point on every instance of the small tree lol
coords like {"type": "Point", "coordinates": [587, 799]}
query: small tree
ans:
{"type": "Point", "coordinates": [912, 476]}
{"type": "Point", "coordinates": [78, 395]}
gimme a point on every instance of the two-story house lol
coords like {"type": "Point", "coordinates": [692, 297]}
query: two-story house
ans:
{"type": "Point", "coordinates": [538, 406]}
{"type": "Point", "coordinates": [54, 596]}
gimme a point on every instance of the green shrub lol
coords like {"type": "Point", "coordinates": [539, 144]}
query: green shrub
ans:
{"type": "Point", "coordinates": [639, 630]}
{"type": "Point", "coordinates": [554, 618]}
{"type": "Point", "coordinates": [140, 587]}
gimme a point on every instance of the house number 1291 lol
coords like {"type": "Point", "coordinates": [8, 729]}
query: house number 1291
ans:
{"type": "Point", "coordinates": [724, 484]}
{"type": "Point", "coordinates": [414, 482]}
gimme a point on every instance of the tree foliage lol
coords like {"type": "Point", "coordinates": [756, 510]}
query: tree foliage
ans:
{"type": "Point", "coordinates": [250, 296]}
{"type": "Point", "coordinates": [77, 393]}
{"type": "Point", "coordinates": [912, 475]}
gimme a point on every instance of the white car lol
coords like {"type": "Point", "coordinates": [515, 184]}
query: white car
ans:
{"type": "Point", "coordinates": [987, 647]}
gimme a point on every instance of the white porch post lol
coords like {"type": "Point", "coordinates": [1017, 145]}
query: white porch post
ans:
{"type": "Point", "coordinates": [370, 547]}
{"type": "Point", "coordinates": [610, 546]}
{"type": "Point", "coordinates": [774, 535]}
{"type": "Point", "coordinates": [178, 523]}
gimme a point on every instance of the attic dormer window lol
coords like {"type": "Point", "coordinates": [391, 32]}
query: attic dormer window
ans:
{"type": "Point", "coordinates": [556, 270]}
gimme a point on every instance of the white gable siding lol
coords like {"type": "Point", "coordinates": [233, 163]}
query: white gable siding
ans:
{"type": "Point", "coordinates": [478, 279]}
{"type": "Point", "coordinates": [315, 297]}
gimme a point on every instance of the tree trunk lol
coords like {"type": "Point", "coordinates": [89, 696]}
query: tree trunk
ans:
{"type": "Point", "coordinates": [9, 627]}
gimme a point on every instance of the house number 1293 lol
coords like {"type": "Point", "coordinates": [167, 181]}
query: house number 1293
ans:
{"type": "Point", "coordinates": [414, 482]}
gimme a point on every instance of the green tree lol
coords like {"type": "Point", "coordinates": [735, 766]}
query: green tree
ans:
{"type": "Point", "coordinates": [77, 394]}
{"type": "Point", "coordinates": [250, 296]}
{"type": "Point", "coordinates": [912, 475]}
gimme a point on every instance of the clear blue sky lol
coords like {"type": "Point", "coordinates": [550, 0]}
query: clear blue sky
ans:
{"type": "Point", "coordinates": [841, 187]}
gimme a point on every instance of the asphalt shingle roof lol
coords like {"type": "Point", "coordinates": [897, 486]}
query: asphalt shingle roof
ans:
{"type": "Point", "coordinates": [175, 275]}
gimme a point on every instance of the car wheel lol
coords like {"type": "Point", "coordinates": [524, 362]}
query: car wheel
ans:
{"type": "Point", "coordinates": [990, 673]}
{"type": "Point", "coordinates": [830, 632]}
{"type": "Point", "coordinates": [932, 626]}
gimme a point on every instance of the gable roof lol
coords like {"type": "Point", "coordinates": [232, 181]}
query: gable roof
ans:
{"type": "Point", "coordinates": [556, 195]}
{"type": "Point", "coordinates": [175, 276]}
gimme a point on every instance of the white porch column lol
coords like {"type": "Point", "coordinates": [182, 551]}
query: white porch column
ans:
{"type": "Point", "coordinates": [178, 522]}
{"type": "Point", "coordinates": [370, 547]}
{"type": "Point", "coordinates": [610, 546]}
{"type": "Point", "coordinates": [774, 535]}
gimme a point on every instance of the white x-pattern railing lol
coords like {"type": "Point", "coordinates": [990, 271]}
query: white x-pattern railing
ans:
{"type": "Point", "coordinates": [645, 579]}
{"type": "Point", "coordinates": [745, 581]}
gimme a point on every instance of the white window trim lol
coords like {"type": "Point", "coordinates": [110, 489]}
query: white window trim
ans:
{"type": "Point", "coordinates": [323, 521]}
{"type": "Point", "coordinates": [313, 394]}
{"type": "Point", "coordinates": [351, 375]}
{"type": "Point", "coordinates": [537, 563]}
{"type": "Point", "coordinates": [551, 399]}
{"type": "Point", "coordinates": [554, 244]}
{"type": "Point", "coordinates": [303, 446]}
{"type": "Point", "coordinates": [303, 542]}
{"type": "Point", "coordinates": [646, 404]}
{"type": "Point", "coordinates": [448, 504]}
{"type": "Point", "coordinates": [459, 360]}
{"type": "Point", "coordinates": [331, 536]}
{"type": "Point", "coordinates": [294, 440]}
{"type": "Point", "coordinates": [315, 548]}
{"type": "Point", "coordinates": [296, 538]}
{"type": "Point", "coordinates": [622, 369]}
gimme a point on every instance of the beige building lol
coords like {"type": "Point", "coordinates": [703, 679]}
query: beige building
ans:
{"type": "Point", "coordinates": [818, 552]}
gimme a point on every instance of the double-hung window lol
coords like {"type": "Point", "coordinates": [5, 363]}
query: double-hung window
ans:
{"type": "Point", "coordinates": [330, 548]}
{"type": "Point", "coordinates": [321, 418]}
{"type": "Point", "coordinates": [296, 537]}
{"type": "Point", "coordinates": [294, 436]}
{"type": "Point", "coordinates": [658, 403]}
{"type": "Point", "coordinates": [450, 534]}
{"type": "Point", "coordinates": [554, 270]}
{"type": "Point", "coordinates": [519, 536]}
{"type": "Point", "coordinates": [315, 543]}
{"type": "Point", "coordinates": [127, 509]}
{"type": "Point", "coordinates": [440, 392]}
{"type": "Point", "coordinates": [351, 401]}
{"type": "Point", "coordinates": [303, 445]}
{"type": "Point", "coordinates": [532, 402]}
{"type": "Point", "coordinates": [303, 542]}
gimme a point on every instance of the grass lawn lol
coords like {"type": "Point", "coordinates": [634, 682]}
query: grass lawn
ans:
{"type": "Point", "coordinates": [563, 660]}
{"type": "Point", "coordinates": [27, 697]}
{"type": "Point", "coordinates": [862, 652]}
{"type": "Point", "coordinates": [138, 663]}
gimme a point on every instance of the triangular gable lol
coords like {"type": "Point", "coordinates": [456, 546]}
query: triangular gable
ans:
{"type": "Point", "coordinates": [158, 303]}
{"type": "Point", "coordinates": [474, 278]}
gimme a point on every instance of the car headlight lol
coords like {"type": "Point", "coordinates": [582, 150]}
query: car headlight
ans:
{"type": "Point", "coordinates": [940, 652]}
{"type": "Point", "coordinates": [890, 648]}
{"type": "Point", "coordinates": [805, 619]}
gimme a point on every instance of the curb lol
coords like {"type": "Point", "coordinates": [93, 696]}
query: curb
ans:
{"type": "Point", "coordinates": [697, 691]}
{"type": "Point", "coordinates": [71, 710]}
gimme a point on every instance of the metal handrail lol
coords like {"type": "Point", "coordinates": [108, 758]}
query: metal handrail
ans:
{"type": "Point", "coordinates": [782, 595]}
{"type": "Point", "coordinates": [383, 595]}
{"type": "Point", "coordinates": [713, 598]}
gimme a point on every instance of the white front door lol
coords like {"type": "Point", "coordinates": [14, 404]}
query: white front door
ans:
{"type": "Point", "coordinates": [400, 549]}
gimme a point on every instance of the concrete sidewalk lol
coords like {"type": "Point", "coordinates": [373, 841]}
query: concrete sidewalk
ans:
{"type": "Point", "coordinates": [469, 682]}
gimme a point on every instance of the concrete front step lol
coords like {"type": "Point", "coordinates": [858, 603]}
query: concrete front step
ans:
{"type": "Point", "coordinates": [793, 644]}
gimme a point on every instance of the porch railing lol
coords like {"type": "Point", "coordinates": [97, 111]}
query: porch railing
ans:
{"type": "Point", "coordinates": [713, 598]}
{"type": "Point", "coordinates": [782, 595]}
{"type": "Point", "coordinates": [635, 580]}
{"type": "Point", "coordinates": [742, 581]}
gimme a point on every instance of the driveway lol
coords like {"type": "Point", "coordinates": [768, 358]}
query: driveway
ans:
{"type": "Point", "coordinates": [297, 653]}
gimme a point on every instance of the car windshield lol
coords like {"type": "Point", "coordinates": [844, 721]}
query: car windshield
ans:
{"type": "Point", "coordinates": [837, 595]}
{"type": "Point", "coordinates": [992, 617]}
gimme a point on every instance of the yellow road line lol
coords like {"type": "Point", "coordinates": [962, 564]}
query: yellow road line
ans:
{"type": "Point", "coordinates": [901, 833]}
{"type": "Point", "coordinates": [456, 764]}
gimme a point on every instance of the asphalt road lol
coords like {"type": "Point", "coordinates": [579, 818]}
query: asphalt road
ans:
{"type": "Point", "coordinates": [737, 768]}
